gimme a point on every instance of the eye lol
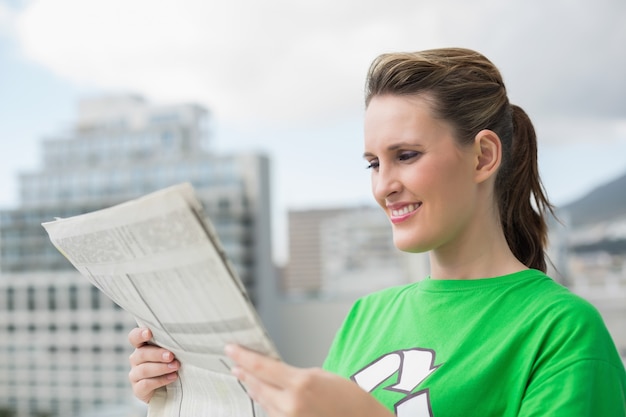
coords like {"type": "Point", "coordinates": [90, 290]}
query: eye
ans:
{"type": "Point", "coordinates": [408, 155]}
{"type": "Point", "coordinates": [373, 164]}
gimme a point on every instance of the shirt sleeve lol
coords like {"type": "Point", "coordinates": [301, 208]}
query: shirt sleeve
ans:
{"type": "Point", "coordinates": [577, 372]}
{"type": "Point", "coordinates": [587, 388]}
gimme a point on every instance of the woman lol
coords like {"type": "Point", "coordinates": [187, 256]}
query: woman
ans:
{"type": "Point", "coordinates": [454, 166]}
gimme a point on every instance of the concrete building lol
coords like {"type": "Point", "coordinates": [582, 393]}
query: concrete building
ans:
{"type": "Point", "coordinates": [302, 274]}
{"type": "Point", "coordinates": [345, 253]}
{"type": "Point", "coordinates": [63, 345]}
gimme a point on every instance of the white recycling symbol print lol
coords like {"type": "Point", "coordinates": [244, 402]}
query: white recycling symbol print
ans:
{"type": "Point", "coordinates": [413, 366]}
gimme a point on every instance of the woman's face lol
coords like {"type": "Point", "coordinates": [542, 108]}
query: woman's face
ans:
{"type": "Point", "coordinates": [420, 176]}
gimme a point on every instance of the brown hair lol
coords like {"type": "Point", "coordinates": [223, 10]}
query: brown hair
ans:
{"type": "Point", "coordinates": [467, 91]}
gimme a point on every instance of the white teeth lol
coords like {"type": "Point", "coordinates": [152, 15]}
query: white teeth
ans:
{"type": "Point", "coordinates": [404, 210]}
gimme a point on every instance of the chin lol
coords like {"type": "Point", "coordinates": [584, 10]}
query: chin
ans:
{"type": "Point", "coordinates": [411, 245]}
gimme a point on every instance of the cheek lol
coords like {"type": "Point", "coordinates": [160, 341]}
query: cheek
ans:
{"type": "Point", "coordinates": [373, 186]}
{"type": "Point", "coordinates": [454, 175]}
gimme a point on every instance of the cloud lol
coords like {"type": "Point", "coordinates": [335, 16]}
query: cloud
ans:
{"type": "Point", "coordinates": [7, 19]}
{"type": "Point", "coordinates": [272, 60]}
{"type": "Point", "coordinates": [564, 131]}
{"type": "Point", "coordinates": [281, 62]}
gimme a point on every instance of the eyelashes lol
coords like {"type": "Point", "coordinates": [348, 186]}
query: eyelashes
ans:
{"type": "Point", "coordinates": [404, 156]}
{"type": "Point", "coordinates": [372, 165]}
{"type": "Point", "coordinates": [408, 155]}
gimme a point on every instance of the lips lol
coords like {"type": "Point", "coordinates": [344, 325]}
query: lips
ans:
{"type": "Point", "coordinates": [399, 214]}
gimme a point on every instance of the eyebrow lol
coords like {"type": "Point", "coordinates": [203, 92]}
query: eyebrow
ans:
{"type": "Point", "coordinates": [394, 147]}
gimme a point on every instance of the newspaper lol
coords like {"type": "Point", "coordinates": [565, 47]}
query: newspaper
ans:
{"type": "Point", "coordinates": [160, 259]}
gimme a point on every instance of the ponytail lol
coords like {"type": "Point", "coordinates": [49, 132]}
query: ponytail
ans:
{"type": "Point", "coordinates": [522, 200]}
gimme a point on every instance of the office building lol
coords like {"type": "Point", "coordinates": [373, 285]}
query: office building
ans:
{"type": "Point", "coordinates": [63, 345]}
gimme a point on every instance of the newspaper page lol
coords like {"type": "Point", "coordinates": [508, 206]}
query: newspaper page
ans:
{"type": "Point", "coordinates": [158, 258]}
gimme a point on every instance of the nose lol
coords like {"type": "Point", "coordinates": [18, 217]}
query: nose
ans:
{"type": "Point", "coordinates": [385, 183]}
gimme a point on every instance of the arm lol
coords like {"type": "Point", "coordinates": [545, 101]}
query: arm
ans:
{"type": "Point", "coordinates": [286, 391]}
{"type": "Point", "coordinates": [152, 367]}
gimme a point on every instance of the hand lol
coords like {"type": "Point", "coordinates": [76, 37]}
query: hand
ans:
{"type": "Point", "coordinates": [152, 367]}
{"type": "Point", "coordinates": [286, 391]}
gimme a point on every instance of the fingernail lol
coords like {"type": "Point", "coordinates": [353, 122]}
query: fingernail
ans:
{"type": "Point", "coordinates": [145, 334]}
{"type": "Point", "coordinates": [173, 364]}
{"type": "Point", "coordinates": [172, 376]}
{"type": "Point", "coordinates": [167, 356]}
{"type": "Point", "coordinates": [229, 349]}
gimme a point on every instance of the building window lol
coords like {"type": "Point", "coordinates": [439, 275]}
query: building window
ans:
{"type": "Point", "coordinates": [52, 301]}
{"type": "Point", "coordinates": [76, 406]}
{"type": "Point", "coordinates": [223, 205]}
{"type": "Point", "coordinates": [95, 298]}
{"type": "Point", "coordinates": [10, 299]}
{"type": "Point", "coordinates": [32, 405]}
{"type": "Point", "coordinates": [73, 298]}
{"type": "Point", "coordinates": [30, 298]}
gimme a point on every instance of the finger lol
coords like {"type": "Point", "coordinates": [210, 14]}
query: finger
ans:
{"type": "Point", "coordinates": [144, 388]}
{"type": "Point", "coordinates": [139, 336]}
{"type": "Point", "coordinates": [150, 370]}
{"type": "Point", "coordinates": [266, 395]}
{"type": "Point", "coordinates": [269, 370]}
{"type": "Point", "coordinates": [149, 353]}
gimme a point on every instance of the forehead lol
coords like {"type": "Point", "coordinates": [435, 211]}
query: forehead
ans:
{"type": "Point", "coordinates": [392, 117]}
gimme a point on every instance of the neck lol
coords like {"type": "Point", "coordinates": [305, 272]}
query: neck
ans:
{"type": "Point", "coordinates": [482, 252]}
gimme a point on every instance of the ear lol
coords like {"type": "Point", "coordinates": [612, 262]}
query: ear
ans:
{"type": "Point", "coordinates": [488, 152]}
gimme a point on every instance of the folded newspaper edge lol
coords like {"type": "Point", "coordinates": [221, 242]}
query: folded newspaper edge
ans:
{"type": "Point", "coordinates": [159, 258]}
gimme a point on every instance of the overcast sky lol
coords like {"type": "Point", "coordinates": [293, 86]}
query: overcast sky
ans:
{"type": "Point", "coordinates": [286, 77]}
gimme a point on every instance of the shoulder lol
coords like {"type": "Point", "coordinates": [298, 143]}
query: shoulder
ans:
{"type": "Point", "coordinates": [380, 300]}
{"type": "Point", "coordinates": [569, 328]}
{"type": "Point", "coordinates": [555, 303]}
{"type": "Point", "coordinates": [576, 368]}
{"type": "Point", "coordinates": [369, 312]}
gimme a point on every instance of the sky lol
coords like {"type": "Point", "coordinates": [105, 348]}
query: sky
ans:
{"type": "Point", "coordinates": [286, 78]}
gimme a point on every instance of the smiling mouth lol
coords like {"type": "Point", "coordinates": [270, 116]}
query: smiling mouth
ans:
{"type": "Point", "coordinates": [405, 210]}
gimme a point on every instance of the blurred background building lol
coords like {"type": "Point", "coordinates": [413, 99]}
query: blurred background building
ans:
{"type": "Point", "coordinates": [63, 345]}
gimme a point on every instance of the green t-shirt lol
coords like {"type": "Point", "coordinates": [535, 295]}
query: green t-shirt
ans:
{"type": "Point", "coordinates": [517, 345]}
